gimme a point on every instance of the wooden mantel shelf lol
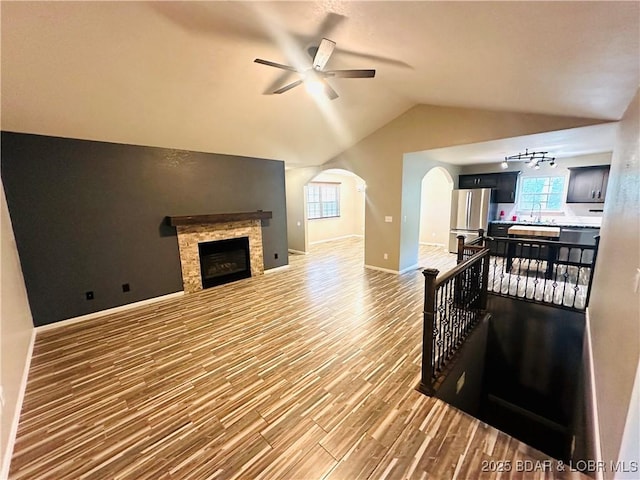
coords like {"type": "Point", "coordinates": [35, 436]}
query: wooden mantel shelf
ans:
{"type": "Point", "coordinates": [217, 218]}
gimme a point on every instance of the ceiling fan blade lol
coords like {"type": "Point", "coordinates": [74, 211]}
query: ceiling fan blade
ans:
{"type": "Point", "coordinates": [286, 88]}
{"type": "Point", "coordinates": [374, 58]}
{"type": "Point", "coordinates": [331, 93]}
{"type": "Point", "coordinates": [274, 64]}
{"type": "Point", "coordinates": [350, 73]}
{"type": "Point", "coordinates": [329, 24]}
{"type": "Point", "coordinates": [282, 79]}
{"type": "Point", "coordinates": [324, 52]}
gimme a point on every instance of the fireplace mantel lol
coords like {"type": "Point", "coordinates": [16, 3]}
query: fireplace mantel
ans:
{"type": "Point", "coordinates": [217, 218]}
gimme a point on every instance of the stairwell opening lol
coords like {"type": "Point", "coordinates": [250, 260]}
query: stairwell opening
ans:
{"type": "Point", "coordinates": [520, 371]}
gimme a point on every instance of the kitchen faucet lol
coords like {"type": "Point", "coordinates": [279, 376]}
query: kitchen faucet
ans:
{"type": "Point", "coordinates": [539, 218]}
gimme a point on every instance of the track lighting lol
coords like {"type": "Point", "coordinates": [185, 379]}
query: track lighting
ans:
{"type": "Point", "coordinates": [533, 159]}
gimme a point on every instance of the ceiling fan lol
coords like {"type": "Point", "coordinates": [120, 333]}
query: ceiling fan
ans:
{"type": "Point", "coordinates": [316, 76]}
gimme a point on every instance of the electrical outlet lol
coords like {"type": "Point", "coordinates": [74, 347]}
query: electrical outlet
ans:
{"type": "Point", "coordinates": [275, 255]}
{"type": "Point", "coordinates": [126, 287]}
{"type": "Point", "coordinates": [89, 295]}
{"type": "Point", "coordinates": [1, 397]}
{"type": "Point", "coordinates": [388, 219]}
{"type": "Point", "coordinates": [386, 256]}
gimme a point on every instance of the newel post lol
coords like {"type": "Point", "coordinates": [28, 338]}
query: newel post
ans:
{"type": "Point", "coordinates": [593, 269]}
{"type": "Point", "coordinates": [426, 382]}
{"type": "Point", "coordinates": [460, 257]}
{"type": "Point", "coordinates": [484, 286]}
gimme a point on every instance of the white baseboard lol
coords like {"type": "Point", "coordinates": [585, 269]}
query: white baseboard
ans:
{"type": "Point", "coordinates": [430, 244]}
{"type": "Point", "coordinates": [593, 399]}
{"type": "Point", "coordinates": [276, 269]}
{"type": "Point", "coordinates": [380, 269]}
{"type": "Point", "coordinates": [343, 237]}
{"type": "Point", "coordinates": [415, 266]}
{"type": "Point", "coordinates": [121, 308]}
{"type": "Point", "coordinates": [396, 272]}
{"type": "Point", "coordinates": [297, 252]}
{"type": "Point", "coordinates": [6, 459]}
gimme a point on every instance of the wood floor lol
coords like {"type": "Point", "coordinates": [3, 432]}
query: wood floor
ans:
{"type": "Point", "coordinates": [304, 373]}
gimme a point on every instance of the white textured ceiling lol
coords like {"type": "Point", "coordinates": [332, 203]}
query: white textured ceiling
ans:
{"type": "Point", "coordinates": [181, 74]}
{"type": "Point", "coordinates": [572, 142]}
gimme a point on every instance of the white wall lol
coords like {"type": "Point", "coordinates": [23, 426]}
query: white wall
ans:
{"type": "Point", "coordinates": [614, 308]}
{"type": "Point", "coordinates": [16, 329]}
{"type": "Point", "coordinates": [351, 219]}
{"type": "Point", "coordinates": [435, 207]}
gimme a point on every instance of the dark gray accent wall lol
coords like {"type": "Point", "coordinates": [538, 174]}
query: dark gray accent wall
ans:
{"type": "Point", "coordinates": [89, 216]}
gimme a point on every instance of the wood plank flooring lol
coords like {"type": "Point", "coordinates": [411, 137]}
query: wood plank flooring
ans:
{"type": "Point", "coordinates": [304, 373]}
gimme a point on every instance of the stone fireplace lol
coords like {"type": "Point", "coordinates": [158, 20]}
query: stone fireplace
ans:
{"type": "Point", "coordinates": [202, 229]}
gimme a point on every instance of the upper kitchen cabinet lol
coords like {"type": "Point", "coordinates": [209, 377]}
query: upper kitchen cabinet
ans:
{"type": "Point", "coordinates": [505, 191]}
{"type": "Point", "coordinates": [481, 180]}
{"type": "Point", "coordinates": [503, 184]}
{"type": "Point", "coordinates": [588, 184]}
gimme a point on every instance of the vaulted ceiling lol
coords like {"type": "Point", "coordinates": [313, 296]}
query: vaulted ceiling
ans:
{"type": "Point", "coordinates": [182, 74]}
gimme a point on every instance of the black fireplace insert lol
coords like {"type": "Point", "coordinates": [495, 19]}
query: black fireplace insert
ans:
{"type": "Point", "coordinates": [224, 261]}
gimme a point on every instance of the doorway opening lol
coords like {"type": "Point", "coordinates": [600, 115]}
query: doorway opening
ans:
{"type": "Point", "coordinates": [335, 208]}
{"type": "Point", "coordinates": [435, 212]}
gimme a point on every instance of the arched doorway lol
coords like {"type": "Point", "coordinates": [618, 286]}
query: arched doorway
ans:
{"type": "Point", "coordinates": [335, 207]}
{"type": "Point", "coordinates": [435, 211]}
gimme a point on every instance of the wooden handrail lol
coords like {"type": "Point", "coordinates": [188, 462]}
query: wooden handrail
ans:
{"type": "Point", "coordinates": [462, 266]}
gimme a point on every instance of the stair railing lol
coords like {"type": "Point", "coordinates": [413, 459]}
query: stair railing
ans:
{"type": "Point", "coordinates": [453, 305]}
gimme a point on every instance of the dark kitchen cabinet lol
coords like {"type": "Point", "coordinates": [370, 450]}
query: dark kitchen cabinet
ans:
{"type": "Point", "coordinates": [483, 180]}
{"type": "Point", "coordinates": [498, 232]}
{"type": "Point", "coordinates": [588, 184]}
{"type": "Point", "coordinates": [506, 187]}
{"type": "Point", "coordinates": [499, 229]}
{"type": "Point", "coordinates": [503, 184]}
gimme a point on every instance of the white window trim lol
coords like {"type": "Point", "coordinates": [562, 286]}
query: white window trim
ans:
{"type": "Point", "coordinates": [337, 186]}
{"type": "Point", "coordinates": [563, 198]}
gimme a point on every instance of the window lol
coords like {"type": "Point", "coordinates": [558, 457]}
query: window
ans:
{"type": "Point", "coordinates": [544, 193]}
{"type": "Point", "coordinates": [323, 200]}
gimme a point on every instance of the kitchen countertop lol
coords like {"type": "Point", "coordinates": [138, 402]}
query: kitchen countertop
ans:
{"type": "Point", "coordinates": [535, 230]}
{"type": "Point", "coordinates": [546, 224]}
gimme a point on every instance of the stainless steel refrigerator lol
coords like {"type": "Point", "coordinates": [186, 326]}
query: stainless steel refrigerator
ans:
{"type": "Point", "coordinates": [471, 209]}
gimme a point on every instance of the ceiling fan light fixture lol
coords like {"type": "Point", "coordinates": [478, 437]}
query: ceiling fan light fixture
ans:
{"type": "Point", "coordinates": [314, 77]}
{"type": "Point", "coordinates": [315, 87]}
